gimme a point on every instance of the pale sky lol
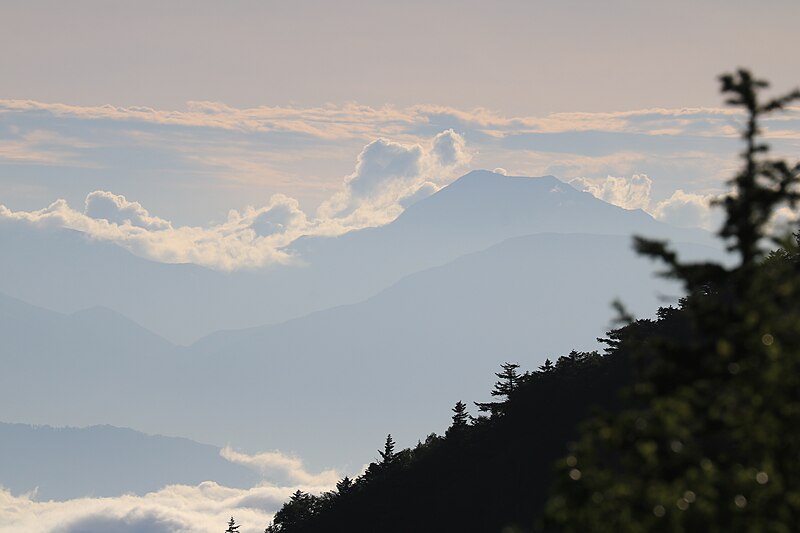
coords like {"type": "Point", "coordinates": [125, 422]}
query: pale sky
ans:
{"type": "Point", "coordinates": [194, 109]}
{"type": "Point", "coordinates": [517, 57]}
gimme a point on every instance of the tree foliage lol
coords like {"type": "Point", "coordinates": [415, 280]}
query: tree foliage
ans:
{"type": "Point", "coordinates": [508, 382]}
{"type": "Point", "coordinates": [232, 527]}
{"type": "Point", "coordinates": [713, 440]}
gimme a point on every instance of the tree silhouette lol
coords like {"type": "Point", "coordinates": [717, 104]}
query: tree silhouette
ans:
{"type": "Point", "coordinates": [232, 527]}
{"type": "Point", "coordinates": [387, 455]}
{"type": "Point", "coordinates": [505, 387]}
{"type": "Point", "coordinates": [713, 442]}
{"type": "Point", "coordinates": [460, 416]}
{"type": "Point", "coordinates": [294, 513]}
{"type": "Point", "coordinates": [344, 486]}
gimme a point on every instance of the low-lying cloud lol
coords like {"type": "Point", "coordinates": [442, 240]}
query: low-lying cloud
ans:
{"type": "Point", "coordinates": [204, 508]}
{"type": "Point", "coordinates": [388, 177]}
{"type": "Point", "coordinates": [281, 468]}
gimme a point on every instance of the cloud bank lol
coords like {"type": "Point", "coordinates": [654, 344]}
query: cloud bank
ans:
{"type": "Point", "coordinates": [389, 176]}
{"type": "Point", "coordinates": [204, 508]}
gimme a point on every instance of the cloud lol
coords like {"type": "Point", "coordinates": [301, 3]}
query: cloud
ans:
{"type": "Point", "coordinates": [278, 466]}
{"type": "Point", "coordinates": [688, 210]}
{"type": "Point", "coordinates": [115, 208]}
{"type": "Point", "coordinates": [680, 209]}
{"type": "Point", "coordinates": [204, 508]}
{"type": "Point", "coordinates": [784, 221]}
{"type": "Point", "coordinates": [449, 149]}
{"type": "Point", "coordinates": [388, 177]}
{"type": "Point", "coordinates": [630, 193]}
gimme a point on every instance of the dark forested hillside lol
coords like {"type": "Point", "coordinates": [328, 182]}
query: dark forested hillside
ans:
{"type": "Point", "coordinates": [490, 472]}
{"type": "Point", "coordinates": [698, 426]}
{"type": "Point", "coordinates": [485, 473]}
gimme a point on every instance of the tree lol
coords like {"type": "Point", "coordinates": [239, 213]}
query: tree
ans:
{"type": "Point", "coordinates": [505, 387]}
{"type": "Point", "coordinates": [300, 508]}
{"type": "Point", "coordinates": [344, 486]}
{"type": "Point", "coordinates": [460, 416]}
{"type": "Point", "coordinates": [547, 366]}
{"type": "Point", "coordinates": [712, 441]}
{"type": "Point", "coordinates": [387, 455]}
{"type": "Point", "coordinates": [232, 527]}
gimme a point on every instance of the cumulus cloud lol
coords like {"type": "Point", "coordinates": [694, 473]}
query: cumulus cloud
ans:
{"type": "Point", "coordinates": [115, 208]}
{"type": "Point", "coordinates": [681, 209]}
{"type": "Point", "coordinates": [227, 246]}
{"type": "Point", "coordinates": [388, 177]}
{"type": "Point", "coordinates": [688, 210]}
{"type": "Point", "coordinates": [630, 193]}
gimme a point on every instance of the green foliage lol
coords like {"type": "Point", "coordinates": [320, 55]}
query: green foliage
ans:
{"type": "Point", "coordinates": [707, 437]}
{"type": "Point", "coordinates": [712, 441]}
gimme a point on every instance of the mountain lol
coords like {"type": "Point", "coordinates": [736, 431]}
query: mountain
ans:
{"type": "Point", "coordinates": [64, 463]}
{"type": "Point", "coordinates": [86, 366]}
{"type": "Point", "coordinates": [65, 271]}
{"type": "Point", "coordinates": [438, 333]}
{"type": "Point", "coordinates": [433, 338]}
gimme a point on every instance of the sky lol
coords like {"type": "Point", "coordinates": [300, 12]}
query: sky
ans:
{"type": "Point", "coordinates": [217, 132]}
{"type": "Point", "coordinates": [193, 109]}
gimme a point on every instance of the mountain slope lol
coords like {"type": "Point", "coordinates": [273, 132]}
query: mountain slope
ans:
{"type": "Point", "coordinates": [84, 366]}
{"type": "Point", "coordinates": [65, 463]}
{"type": "Point", "coordinates": [431, 339]}
{"type": "Point", "coordinates": [64, 271]}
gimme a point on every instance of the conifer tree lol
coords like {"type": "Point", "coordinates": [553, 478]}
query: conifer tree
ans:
{"type": "Point", "coordinates": [460, 416]}
{"type": "Point", "coordinates": [232, 527]}
{"type": "Point", "coordinates": [505, 387]}
{"type": "Point", "coordinates": [713, 442]}
{"type": "Point", "coordinates": [387, 455]}
{"type": "Point", "coordinates": [344, 486]}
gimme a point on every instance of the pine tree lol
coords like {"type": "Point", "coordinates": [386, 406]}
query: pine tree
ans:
{"type": "Point", "coordinates": [547, 366]}
{"type": "Point", "coordinates": [713, 442]}
{"type": "Point", "coordinates": [387, 455]}
{"type": "Point", "coordinates": [460, 416]}
{"type": "Point", "coordinates": [232, 527]}
{"type": "Point", "coordinates": [344, 486]}
{"type": "Point", "coordinates": [505, 387]}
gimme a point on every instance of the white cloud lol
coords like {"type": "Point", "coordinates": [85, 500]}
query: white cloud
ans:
{"type": "Point", "coordinates": [115, 208]}
{"type": "Point", "coordinates": [688, 210]}
{"type": "Point", "coordinates": [278, 466]}
{"type": "Point", "coordinates": [388, 177]}
{"type": "Point", "coordinates": [681, 209]}
{"type": "Point", "coordinates": [630, 193]}
{"type": "Point", "coordinates": [177, 508]}
{"type": "Point", "coordinates": [389, 174]}
{"type": "Point", "coordinates": [449, 149]}
{"type": "Point", "coordinates": [204, 508]}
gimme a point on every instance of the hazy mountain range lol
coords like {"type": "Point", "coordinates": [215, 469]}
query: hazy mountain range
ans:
{"type": "Point", "coordinates": [380, 330]}
{"type": "Point", "coordinates": [62, 463]}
